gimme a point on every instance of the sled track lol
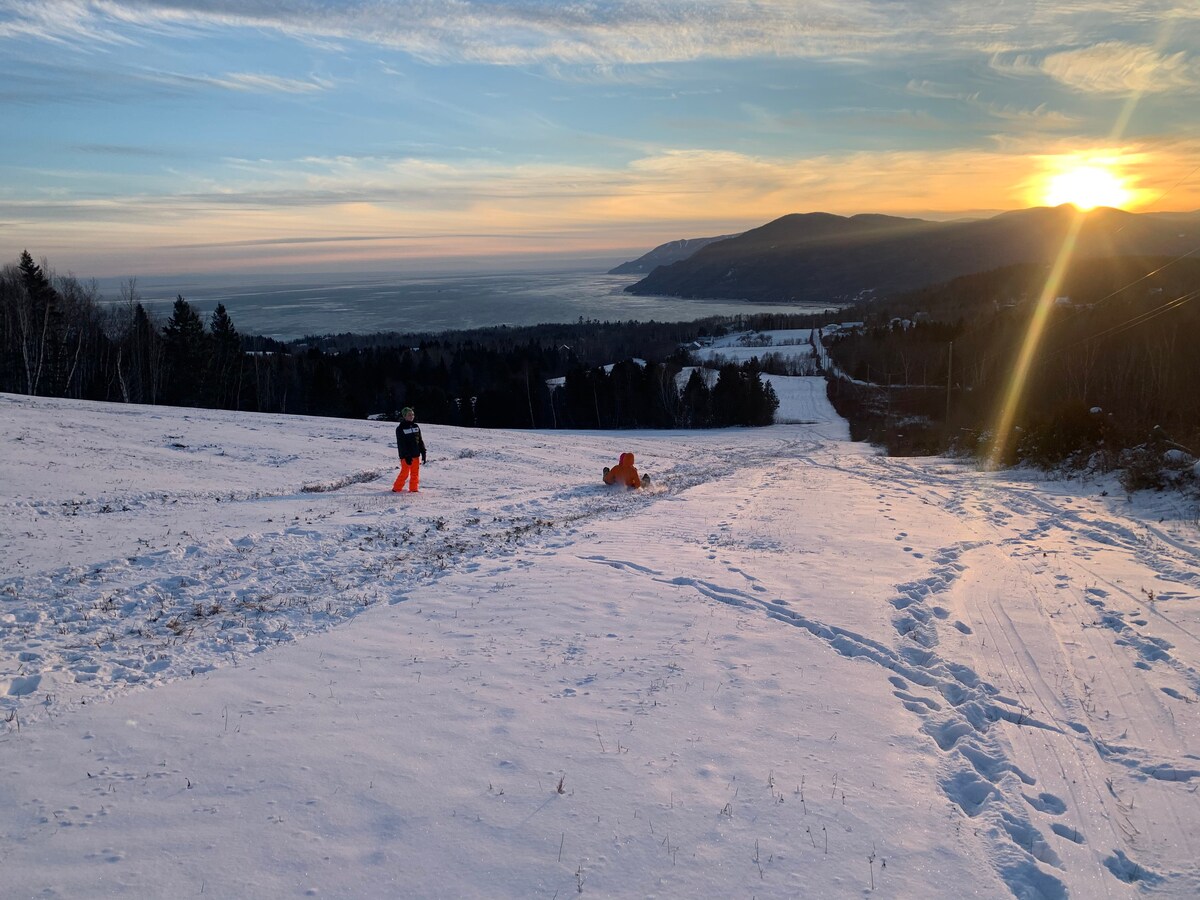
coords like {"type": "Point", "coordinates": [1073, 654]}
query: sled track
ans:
{"type": "Point", "coordinates": [157, 616]}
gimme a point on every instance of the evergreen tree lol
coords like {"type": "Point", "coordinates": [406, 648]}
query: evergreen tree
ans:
{"type": "Point", "coordinates": [225, 375]}
{"type": "Point", "coordinates": [186, 353]}
{"type": "Point", "coordinates": [697, 401]}
{"type": "Point", "coordinates": [728, 396]}
{"type": "Point", "coordinates": [39, 323]}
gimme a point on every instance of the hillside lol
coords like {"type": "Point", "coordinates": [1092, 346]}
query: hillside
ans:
{"type": "Point", "coordinates": [664, 255]}
{"type": "Point", "coordinates": [1115, 372]}
{"type": "Point", "coordinates": [825, 258]}
{"type": "Point", "coordinates": [233, 664]}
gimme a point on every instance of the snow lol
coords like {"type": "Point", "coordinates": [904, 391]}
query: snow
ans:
{"type": "Point", "coordinates": [741, 346]}
{"type": "Point", "coordinates": [234, 664]}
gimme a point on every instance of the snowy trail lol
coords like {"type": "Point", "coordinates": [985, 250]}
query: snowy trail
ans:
{"type": "Point", "coordinates": [958, 709]}
{"type": "Point", "coordinates": [1021, 667]}
{"type": "Point", "coordinates": [1069, 628]}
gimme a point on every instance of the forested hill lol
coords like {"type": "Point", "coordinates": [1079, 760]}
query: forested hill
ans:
{"type": "Point", "coordinates": [820, 257]}
{"type": "Point", "coordinates": [1115, 365]}
{"type": "Point", "coordinates": [665, 254]}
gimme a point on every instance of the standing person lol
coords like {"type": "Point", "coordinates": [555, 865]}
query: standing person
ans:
{"type": "Point", "coordinates": [411, 448]}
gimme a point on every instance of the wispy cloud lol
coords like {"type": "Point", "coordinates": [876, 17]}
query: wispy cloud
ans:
{"type": "Point", "coordinates": [1116, 68]}
{"type": "Point", "coordinates": [247, 81]}
{"type": "Point", "coordinates": [603, 35]}
{"type": "Point", "coordinates": [127, 150]}
{"type": "Point", "coordinates": [1111, 67]}
{"type": "Point", "coordinates": [1040, 117]}
{"type": "Point", "coordinates": [370, 197]}
{"type": "Point", "coordinates": [607, 35]}
{"type": "Point", "coordinates": [389, 209]}
{"type": "Point", "coordinates": [58, 22]}
{"type": "Point", "coordinates": [370, 123]}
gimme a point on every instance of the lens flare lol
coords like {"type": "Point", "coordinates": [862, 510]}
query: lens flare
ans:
{"type": "Point", "coordinates": [1014, 393]}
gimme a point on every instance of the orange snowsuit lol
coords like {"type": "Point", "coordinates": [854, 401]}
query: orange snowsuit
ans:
{"type": "Point", "coordinates": [624, 473]}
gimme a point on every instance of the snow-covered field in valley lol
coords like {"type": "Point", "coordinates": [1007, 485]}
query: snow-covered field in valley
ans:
{"type": "Point", "coordinates": [233, 664]}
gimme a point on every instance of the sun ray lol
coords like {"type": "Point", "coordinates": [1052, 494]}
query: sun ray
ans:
{"type": "Point", "coordinates": [1014, 393]}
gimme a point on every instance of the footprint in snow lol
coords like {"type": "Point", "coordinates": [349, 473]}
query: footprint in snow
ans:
{"type": "Point", "coordinates": [1046, 803]}
{"type": "Point", "coordinates": [1068, 832]}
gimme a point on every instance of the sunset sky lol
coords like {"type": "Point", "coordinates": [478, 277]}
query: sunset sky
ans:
{"type": "Point", "coordinates": [168, 136]}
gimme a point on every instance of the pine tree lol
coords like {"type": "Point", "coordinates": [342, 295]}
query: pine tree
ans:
{"type": "Point", "coordinates": [728, 396]}
{"type": "Point", "coordinates": [186, 353]}
{"type": "Point", "coordinates": [225, 378]}
{"type": "Point", "coordinates": [39, 324]}
{"type": "Point", "coordinates": [697, 401]}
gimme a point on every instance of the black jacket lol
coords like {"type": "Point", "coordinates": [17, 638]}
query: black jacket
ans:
{"type": "Point", "coordinates": [409, 442]}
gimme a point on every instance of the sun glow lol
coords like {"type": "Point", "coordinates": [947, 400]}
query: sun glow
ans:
{"type": "Point", "coordinates": [1086, 187]}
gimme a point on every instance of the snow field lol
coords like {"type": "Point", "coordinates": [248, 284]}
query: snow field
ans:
{"type": "Point", "coordinates": [234, 664]}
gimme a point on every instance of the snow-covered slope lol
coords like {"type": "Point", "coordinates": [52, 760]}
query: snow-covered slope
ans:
{"type": "Point", "coordinates": [234, 664]}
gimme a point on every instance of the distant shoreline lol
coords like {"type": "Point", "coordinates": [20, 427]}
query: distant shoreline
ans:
{"type": "Point", "coordinates": [293, 307]}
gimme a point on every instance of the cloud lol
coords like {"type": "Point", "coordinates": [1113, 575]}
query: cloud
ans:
{"type": "Point", "coordinates": [372, 196]}
{"type": "Point", "coordinates": [1040, 117]}
{"type": "Point", "coordinates": [1109, 41]}
{"type": "Point", "coordinates": [329, 210]}
{"type": "Point", "coordinates": [246, 81]}
{"type": "Point", "coordinates": [606, 36]}
{"type": "Point", "coordinates": [1110, 67]}
{"type": "Point", "coordinates": [127, 150]}
{"type": "Point", "coordinates": [1117, 68]}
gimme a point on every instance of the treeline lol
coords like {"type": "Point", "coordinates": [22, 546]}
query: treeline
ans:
{"type": "Point", "coordinates": [59, 337]}
{"type": "Point", "coordinates": [1116, 362]}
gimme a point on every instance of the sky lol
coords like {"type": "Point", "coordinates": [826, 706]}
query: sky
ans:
{"type": "Point", "coordinates": [150, 137]}
{"type": "Point", "coordinates": [234, 664]}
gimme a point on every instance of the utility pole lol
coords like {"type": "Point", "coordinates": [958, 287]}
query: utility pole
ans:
{"type": "Point", "coordinates": [949, 379]}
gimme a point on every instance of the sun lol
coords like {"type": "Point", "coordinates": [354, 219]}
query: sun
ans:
{"type": "Point", "coordinates": [1086, 187]}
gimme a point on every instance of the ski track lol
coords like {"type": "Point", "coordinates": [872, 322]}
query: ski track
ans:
{"type": "Point", "coordinates": [120, 623]}
{"type": "Point", "coordinates": [1071, 548]}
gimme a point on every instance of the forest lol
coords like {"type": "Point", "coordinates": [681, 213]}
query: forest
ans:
{"type": "Point", "coordinates": [1115, 368]}
{"type": "Point", "coordinates": [59, 337]}
{"type": "Point", "coordinates": [1113, 374]}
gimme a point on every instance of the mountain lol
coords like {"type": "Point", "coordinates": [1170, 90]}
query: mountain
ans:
{"type": "Point", "coordinates": [822, 257]}
{"type": "Point", "coordinates": [665, 254]}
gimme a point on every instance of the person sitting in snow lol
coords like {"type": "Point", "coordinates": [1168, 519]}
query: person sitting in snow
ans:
{"type": "Point", "coordinates": [411, 448]}
{"type": "Point", "coordinates": [624, 473]}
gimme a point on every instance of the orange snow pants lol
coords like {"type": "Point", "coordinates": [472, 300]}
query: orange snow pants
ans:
{"type": "Point", "coordinates": [411, 471]}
